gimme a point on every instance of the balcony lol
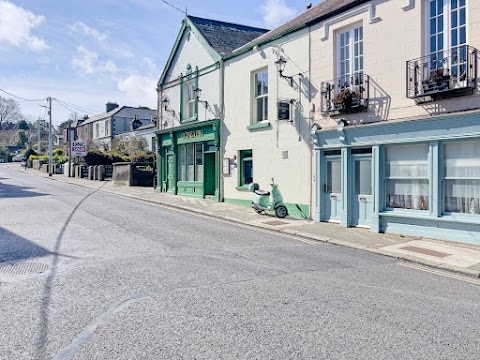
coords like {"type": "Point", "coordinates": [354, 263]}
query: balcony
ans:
{"type": "Point", "coordinates": [442, 75]}
{"type": "Point", "coordinates": [348, 94]}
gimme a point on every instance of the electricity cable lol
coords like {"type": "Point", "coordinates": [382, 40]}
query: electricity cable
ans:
{"type": "Point", "coordinates": [19, 97]}
{"type": "Point", "coordinates": [173, 6]}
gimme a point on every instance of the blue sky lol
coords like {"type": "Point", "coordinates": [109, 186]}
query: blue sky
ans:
{"type": "Point", "coordinates": [89, 52]}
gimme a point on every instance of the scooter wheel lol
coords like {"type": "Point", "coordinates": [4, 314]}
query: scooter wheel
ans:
{"type": "Point", "coordinates": [281, 212]}
{"type": "Point", "coordinates": [258, 211]}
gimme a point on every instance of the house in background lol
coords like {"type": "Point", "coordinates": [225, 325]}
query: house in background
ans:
{"type": "Point", "coordinates": [58, 140]}
{"type": "Point", "coordinates": [99, 130]}
{"type": "Point", "coordinates": [397, 133]}
{"type": "Point", "coordinates": [74, 126]}
{"type": "Point", "coordinates": [191, 105]}
{"type": "Point", "coordinates": [146, 132]}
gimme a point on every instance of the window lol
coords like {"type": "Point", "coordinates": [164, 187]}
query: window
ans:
{"type": "Point", "coordinates": [189, 100]}
{"type": "Point", "coordinates": [107, 127]}
{"type": "Point", "coordinates": [406, 177]}
{"type": "Point", "coordinates": [97, 130]}
{"type": "Point", "coordinates": [260, 105]}
{"type": "Point", "coordinates": [447, 34]}
{"type": "Point", "coordinates": [350, 56]}
{"type": "Point", "coordinates": [461, 177]}
{"type": "Point", "coordinates": [190, 162]}
{"type": "Point", "coordinates": [246, 167]}
{"type": "Point", "coordinates": [334, 176]}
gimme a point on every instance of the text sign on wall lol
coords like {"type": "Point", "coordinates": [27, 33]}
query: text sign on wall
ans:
{"type": "Point", "coordinates": [283, 110]}
{"type": "Point", "coordinates": [79, 148]}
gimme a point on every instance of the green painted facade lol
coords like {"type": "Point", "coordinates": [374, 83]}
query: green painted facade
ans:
{"type": "Point", "coordinates": [203, 138]}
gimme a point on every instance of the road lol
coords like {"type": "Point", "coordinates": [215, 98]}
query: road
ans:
{"type": "Point", "coordinates": [89, 275]}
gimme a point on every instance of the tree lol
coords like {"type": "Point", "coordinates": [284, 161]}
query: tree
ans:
{"type": "Point", "coordinates": [23, 125]}
{"type": "Point", "coordinates": [21, 138]}
{"type": "Point", "coordinates": [9, 111]}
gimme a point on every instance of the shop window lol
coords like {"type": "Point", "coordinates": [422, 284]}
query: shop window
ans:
{"type": "Point", "coordinates": [461, 177]}
{"type": "Point", "coordinates": [260, 103]}
{"type": "Point", "coordinates": [406, 177]}
{"type": "Point", "coordinates": [190, 162]}
{"type": "Point", "coordinates": [246, 167]}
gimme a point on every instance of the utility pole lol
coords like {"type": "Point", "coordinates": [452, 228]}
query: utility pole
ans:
{"type": "Point", "coordinates": [39, 149]}
{"type": "Point", "coordinates": [69, 135]}
{"type": "Point", "coordinates": [50, 154]}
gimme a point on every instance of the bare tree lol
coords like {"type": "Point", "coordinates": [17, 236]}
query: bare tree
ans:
{"type": "Point", "coordinates": [9, 111]}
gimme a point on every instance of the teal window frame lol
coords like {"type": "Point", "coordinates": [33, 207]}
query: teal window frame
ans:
{"type": "Point", "coordinates": [191, 76]}
{"type": "Point", "coordinates": [244, 156]}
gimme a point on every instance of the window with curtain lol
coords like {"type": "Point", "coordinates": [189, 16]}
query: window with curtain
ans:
{"type": "Point", "coordinates": [189, 100]}
{"type": "Point", "coordinates": [461, 177]}
{"type": "Point", "coordinates": [406, 177]}
{"type": "Point", "coordinates": [199, 162]}
{"type": "Point", "coordinates": [190, 162]}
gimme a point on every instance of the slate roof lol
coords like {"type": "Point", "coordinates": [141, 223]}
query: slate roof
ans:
{"type": "Point", "coordinates": [126, 111]}
{"type": "Point", "coordinates": [325, 9]}
{"type": "Point", "coordinates": [225, 37]}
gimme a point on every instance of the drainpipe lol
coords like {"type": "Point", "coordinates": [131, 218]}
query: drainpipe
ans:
{"type": "Point", "coordinates": [221, 149]}
{"type": "Point", "coordinates": [311, 114]}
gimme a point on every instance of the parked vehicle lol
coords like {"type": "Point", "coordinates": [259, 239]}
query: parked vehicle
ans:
{"type": "Point", "coordinates": [268, 201]}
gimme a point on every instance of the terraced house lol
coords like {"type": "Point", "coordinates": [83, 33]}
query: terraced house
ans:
{"type": "Point", "coordinates": [191, 105]}
{"type": "Point", "coordinates": [397, 120]}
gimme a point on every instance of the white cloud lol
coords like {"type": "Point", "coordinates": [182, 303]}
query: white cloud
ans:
{"type": "Point", "coordinates": [276, 12]}
{"type": "Point", "coordinates": [88, 62]}
{"type": "Point", "coordinates": [16, 25]}
{"type": "Point", "coordinates": [139, 90]}
{"type": "Point", "coordinates": [81, 28]}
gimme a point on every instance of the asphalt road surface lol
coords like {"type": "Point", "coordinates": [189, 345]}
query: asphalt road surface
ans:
{"type": "Point", "coordinates": [88, 275]}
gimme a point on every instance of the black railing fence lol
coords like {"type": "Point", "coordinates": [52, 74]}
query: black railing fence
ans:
{"type": "Point", "coordinates": [346, 94]}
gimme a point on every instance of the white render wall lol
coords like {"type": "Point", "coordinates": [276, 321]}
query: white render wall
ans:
{"type": "Point", "coordinates": [395, 36]}
{"type": "Point", "coordinates": [293, 174]}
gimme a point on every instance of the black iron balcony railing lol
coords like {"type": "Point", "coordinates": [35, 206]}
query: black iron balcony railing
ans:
{"type": "Point", "coordinates": [347, 94]}
{"type": "Point", "coordinates": [442, 74]}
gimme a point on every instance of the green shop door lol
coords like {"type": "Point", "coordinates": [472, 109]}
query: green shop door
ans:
{"type": "Point", "coordinates": [209, 175]}
{"type": "Point", "coordinates": [169, 172]}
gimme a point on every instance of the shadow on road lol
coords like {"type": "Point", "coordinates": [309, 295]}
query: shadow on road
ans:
{"type": "Point", "coordinates": [14, 191]}
{"type": "Point", "coordinates": [43, 327]}
{"type": "Point", "coordinates": [15, 248]}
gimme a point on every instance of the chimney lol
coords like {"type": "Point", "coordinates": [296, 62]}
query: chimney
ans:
{"type": "Point", "coordinates": [110, 106]}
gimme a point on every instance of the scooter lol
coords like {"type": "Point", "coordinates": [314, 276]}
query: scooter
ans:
{"type": "Point", "coordinates": [268, 201]}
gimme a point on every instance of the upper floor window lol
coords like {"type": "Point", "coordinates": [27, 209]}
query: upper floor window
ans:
{"type": "Point", "coordinates": [189, 100]}
{"type": "Point", "coordinates": [107, 127]}
{"type": "Point", "coordinates": [97, 130]}
{"type": "Point", "coordinates": [260, 104]}
{"type": "Point", "coordinates": [350, 55]}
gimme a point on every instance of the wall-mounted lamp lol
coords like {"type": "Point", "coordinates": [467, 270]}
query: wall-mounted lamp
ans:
{"type": "Point", "coordinates": [197, 92]}
{"type": "Point", "coordinates": [165, 103]}
{"type": "Point", "coordinates": [280, 63]}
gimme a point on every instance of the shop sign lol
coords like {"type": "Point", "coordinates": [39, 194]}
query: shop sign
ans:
{"type": "Point", "coordinates": [192, 134]}
{"type": "Point", "coordinates": [283, 110]}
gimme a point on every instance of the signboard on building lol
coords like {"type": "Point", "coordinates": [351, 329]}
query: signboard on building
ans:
{"type": "Point", "coordinates": [283, 110]}
{"type": "Point", "coordinates": [79, 148]}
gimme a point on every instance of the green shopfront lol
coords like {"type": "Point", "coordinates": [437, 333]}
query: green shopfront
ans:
{"type": "Point", "coordinates": [189, 160]}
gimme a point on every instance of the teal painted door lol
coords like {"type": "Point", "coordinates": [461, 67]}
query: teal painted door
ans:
{"type": "Point", "coordinates": [332, 189]}
{"type": "Point", "coordinates": [209, 174]}
{"type": "Point", "coordinates": [169, 173]}
{"type": "Point", "coordinates": [362, 199]}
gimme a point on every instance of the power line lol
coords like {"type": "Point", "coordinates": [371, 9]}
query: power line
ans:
{"type": "Point", "coordinates": [19, 97]}
{"type": "Point", "coordinates": [173, 6]}
{"type": "Point", "coordinates": [75, 107]}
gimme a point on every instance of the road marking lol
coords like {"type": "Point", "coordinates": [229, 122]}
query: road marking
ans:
{"type": "Point", "coordinates": [441, 273]}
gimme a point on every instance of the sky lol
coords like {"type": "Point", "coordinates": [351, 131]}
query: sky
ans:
{"type": "Point", "coordinates": [87, 53]}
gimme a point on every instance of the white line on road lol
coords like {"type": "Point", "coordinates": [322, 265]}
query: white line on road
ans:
{"type": "Point", "coordinates": [441, 273]}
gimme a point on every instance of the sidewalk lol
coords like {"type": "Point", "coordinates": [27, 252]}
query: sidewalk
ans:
{"type": "Point", "coordinates": [445, 255]}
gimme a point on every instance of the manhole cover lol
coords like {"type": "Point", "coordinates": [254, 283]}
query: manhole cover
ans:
{"type": "Point", "coordinates": [424, 251]}
{"type": "Point", "coordinates": [23, 268]}
{"type": "Point", "coordinates": [275, 223]}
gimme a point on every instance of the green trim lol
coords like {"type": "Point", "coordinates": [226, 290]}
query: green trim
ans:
{"type": "Point", "coordinates": [201, 72]}
{"type": "Point", "coordinates": [292, 208]}
{"type": "Point", "coordinates": [260, 125]}
{"type": "Point", "coordinates": [195, 111]}
{"type": "Point", "coordinates": [180, 113]}
{"type": "Point", "coordinates": [215, 123]}
{"type": "Point", "coordinates": [172, 53]}
{"type": "Point", "coordinates": [243, 155]}
{"type": "Point", "coordinates": [243, 187]}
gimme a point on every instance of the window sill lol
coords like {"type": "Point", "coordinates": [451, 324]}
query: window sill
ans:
{"type": "Point", "coordinates": [243, 187]}
{"type": "Point", "coordinates": [188, 120]}
{"type": "Point", "coordinates": [259, 125]}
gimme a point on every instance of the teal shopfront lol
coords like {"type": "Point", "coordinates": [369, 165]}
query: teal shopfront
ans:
{"type": "Point", "coordinates": [189, 160]}
{"type": "Point", "coordinates": [419, 177]}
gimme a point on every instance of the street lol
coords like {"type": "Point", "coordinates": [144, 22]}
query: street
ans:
{"type": "Point", "coordinates": [89, 275]}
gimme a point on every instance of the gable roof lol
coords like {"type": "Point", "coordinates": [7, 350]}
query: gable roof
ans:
{"type": "Point", "coordinates": [225, 37]}
{"type": "Point", "coordinates": [126, 111]}
{"type": "Point", "coordinates": [219, 38]}
{"type": "Point", "coordinates": [320, 12]}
